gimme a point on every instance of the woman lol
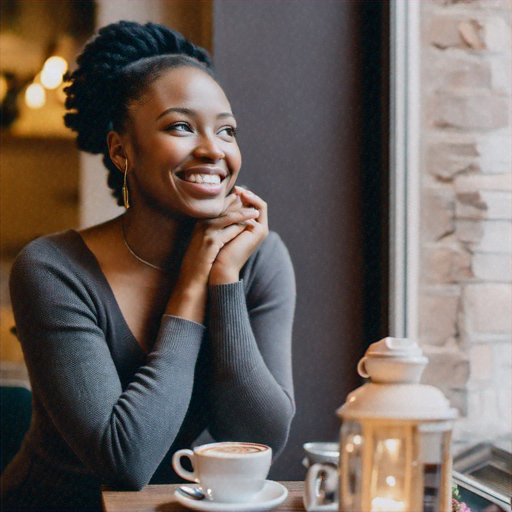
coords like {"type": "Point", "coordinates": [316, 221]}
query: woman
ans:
{"type": "Point", "coordinates": [175, 317]}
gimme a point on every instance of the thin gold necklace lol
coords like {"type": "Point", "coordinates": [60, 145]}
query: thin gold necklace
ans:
{"type": "Point", "coordinates": [132, 252]}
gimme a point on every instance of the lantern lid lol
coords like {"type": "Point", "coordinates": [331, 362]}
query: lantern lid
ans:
{"type": "Point", "coordinates": [393, 360]}
{"type": "Point", "coordinates": [394, 347]}
{"type": "Point", "coordinates": [394, 366]}
{"type": "Point", "coordinates": [397, 401]}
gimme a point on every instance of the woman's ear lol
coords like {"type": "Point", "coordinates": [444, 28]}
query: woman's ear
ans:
{"type": "Point", "coordinates": [116, 150]}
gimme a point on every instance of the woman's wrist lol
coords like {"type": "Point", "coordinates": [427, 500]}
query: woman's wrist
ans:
{"type": "Point", "coordinates": [188, 302]}
{"type": "Point", "coordinates": [223, 276]}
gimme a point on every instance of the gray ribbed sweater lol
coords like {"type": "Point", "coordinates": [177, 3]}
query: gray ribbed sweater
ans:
{"type": "Point", "coordinates": [104, 411]}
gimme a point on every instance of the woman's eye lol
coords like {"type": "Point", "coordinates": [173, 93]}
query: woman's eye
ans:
{"type": "Point", "coordinates": [230, 131]}
{"type": "Point", "coordinates": [179, 127]}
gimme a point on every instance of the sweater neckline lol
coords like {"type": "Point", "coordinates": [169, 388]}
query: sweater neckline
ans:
{"type": "Point", "coordinates": [98, 273]}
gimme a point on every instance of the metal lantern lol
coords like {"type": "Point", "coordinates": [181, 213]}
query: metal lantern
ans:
{"type": "Point", "coordinates": [395, 436]}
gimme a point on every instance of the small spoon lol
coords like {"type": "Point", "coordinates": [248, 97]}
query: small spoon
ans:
{"type": "Point", "coordinates": [191, 492]}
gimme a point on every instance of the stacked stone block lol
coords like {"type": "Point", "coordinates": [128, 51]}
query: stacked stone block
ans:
{"type": "Point", "coordinates": [466, 211]}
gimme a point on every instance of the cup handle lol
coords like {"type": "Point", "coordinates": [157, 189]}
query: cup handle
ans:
{"type": "Point", "coordinates": [311, 489]}
{"type": "Point", "coordinates": [180, 470]}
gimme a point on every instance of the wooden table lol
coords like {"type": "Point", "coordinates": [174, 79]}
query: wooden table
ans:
{"type": "Point", "coordinates": [160, 498]}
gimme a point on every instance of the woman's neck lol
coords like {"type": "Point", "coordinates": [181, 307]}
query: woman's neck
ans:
{"type": "Point", "coordinates": [154, 238]}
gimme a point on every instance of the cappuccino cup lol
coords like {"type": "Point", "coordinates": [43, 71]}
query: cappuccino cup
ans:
{"type": "Point", "coordinates": [229, 472]}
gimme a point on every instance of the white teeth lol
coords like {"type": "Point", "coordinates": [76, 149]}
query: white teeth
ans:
{"type": "Point", "coordinates": [203, 178]}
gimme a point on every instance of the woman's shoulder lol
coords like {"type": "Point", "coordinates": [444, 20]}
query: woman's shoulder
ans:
{"type": "Point", "coordinates": [272, 248]}
{"type": "Point", "coordinates": [51, 248]}
{"type": "Point", "coordinates": [60, 255]}
{"type": "Point", "coordinates": [271, 263]}
{"type": "Point", "coordinates": [57, 269]}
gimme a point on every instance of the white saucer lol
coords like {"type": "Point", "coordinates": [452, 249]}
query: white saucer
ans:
{"type": "Point", "coordinates": [272, 495]}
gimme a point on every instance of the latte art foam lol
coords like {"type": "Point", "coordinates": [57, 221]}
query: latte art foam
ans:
{"type": "Point", "coordinates": [238, 449]}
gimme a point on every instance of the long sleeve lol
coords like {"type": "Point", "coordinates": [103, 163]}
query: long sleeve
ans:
{"type": "Point", "coordinates": [250, 335]}
{"type": "Point", "coordinates": [120, 435]}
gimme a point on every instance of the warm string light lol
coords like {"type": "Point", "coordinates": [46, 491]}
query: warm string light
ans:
{"type": "Point", "coordinates": [51, 77]}
{"type": "Point", "coordinates": [35, 96]}
{"type": "Point", "coordinates": [53, 71]}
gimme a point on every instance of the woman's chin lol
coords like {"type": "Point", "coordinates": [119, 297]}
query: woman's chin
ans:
{"type": "Point", "coordinates": [207, 214]}
{"type": "Point", "coordinates": [205, 211]}
{"type": "Point", "coordinates": [190, 210]}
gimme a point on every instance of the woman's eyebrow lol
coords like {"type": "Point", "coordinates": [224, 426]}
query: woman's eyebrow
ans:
{"type": "Point", "coordinates": [225, 114]}
{"type": "Point", "coordinates": [190, 112]}
{"type": "Point", "coordinates": [180, 110]}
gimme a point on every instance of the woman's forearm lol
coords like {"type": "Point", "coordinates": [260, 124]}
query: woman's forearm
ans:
{"type": "Point", "coordinates": [188, 301]}
{"type": "Point", "coordinates": [250, 327]}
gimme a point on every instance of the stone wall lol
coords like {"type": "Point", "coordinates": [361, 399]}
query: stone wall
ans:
{"type": "Point", "coordinates": [465, 287]}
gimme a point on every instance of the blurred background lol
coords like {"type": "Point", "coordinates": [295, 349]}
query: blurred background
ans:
{"type": "Point", "coordinates": [313, 85]}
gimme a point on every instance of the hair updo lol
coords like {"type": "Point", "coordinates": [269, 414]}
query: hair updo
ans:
{"type": "Point", "coordinates": [114, 69]}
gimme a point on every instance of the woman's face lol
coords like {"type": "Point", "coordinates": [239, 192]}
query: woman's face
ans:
{"type": "Point", "coordinates": [181, 145]}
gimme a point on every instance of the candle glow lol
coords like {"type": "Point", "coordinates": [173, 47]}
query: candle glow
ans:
{"type": "Point", "coordinates": [391, 481]}
{"type": "Point", "coordinates": [387, 505]}
{"type": "Point", "coordinates": [392, 445]}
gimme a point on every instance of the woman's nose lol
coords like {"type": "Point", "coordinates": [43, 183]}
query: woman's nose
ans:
{"type": "Point", "coordinates": [207, 147]}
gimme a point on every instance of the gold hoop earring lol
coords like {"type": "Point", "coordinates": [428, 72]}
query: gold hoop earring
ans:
{"type": "Point", "coordinates": [126, 199]}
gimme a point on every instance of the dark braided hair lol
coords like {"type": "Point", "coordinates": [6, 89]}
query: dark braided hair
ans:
{"type": "Point", "coordinates": [114, 70]}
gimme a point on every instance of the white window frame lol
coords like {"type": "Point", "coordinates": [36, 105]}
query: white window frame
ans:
{"type": "Point", "coordinates": [405, 118]}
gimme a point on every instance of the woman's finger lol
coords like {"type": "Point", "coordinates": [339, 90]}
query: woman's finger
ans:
{"type": "Point", "coordinates": [233, 217]}
{"type": "Point", "coordinates": [231, 202]}
{"type": "Point", "coordinates": [230, 232]}
{"type": "Point", "coordinates": [250, 198]}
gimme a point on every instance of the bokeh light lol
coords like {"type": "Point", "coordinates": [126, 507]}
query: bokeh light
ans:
{"type": "Point", "coordinates": [53, 70]}
{"type": "Point", "coordinates": [4, 86]}
{"type": "Point", "coordinates": [35, 96]}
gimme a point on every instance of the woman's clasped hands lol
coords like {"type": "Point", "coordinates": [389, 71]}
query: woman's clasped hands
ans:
{"type": "Point", "coordinates": [240, 240]}
{"type": "Point", "coordinates": [218, 249]}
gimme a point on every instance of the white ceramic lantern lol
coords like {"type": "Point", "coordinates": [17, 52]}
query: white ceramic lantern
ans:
{"type": "Point", "coordinates": [395, 436]}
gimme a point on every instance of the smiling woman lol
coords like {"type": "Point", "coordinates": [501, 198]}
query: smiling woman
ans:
{"type": "Point", "coordinates": [188, 152]}
{"type": "Point", "coordinates": [175, 317]}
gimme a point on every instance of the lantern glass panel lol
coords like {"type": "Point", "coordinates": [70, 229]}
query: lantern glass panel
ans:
{"type": "Point", "coordinates": [434, 446]}
{"type": "Point", "coordinates": [351, 444]}
{"type": "Point", "coordinates": [390, 480]}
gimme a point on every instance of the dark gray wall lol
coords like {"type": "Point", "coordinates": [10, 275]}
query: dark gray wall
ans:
{"type": "Point", "coordinates": [291, 72]}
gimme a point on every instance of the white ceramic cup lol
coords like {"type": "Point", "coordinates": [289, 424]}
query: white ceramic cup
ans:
{"type": "Point", "coordinates": [321, 452]}
{"type": "Point", "coordinates": [228, 472]}
{"type": "Point", "coordinates": [321, 487]}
